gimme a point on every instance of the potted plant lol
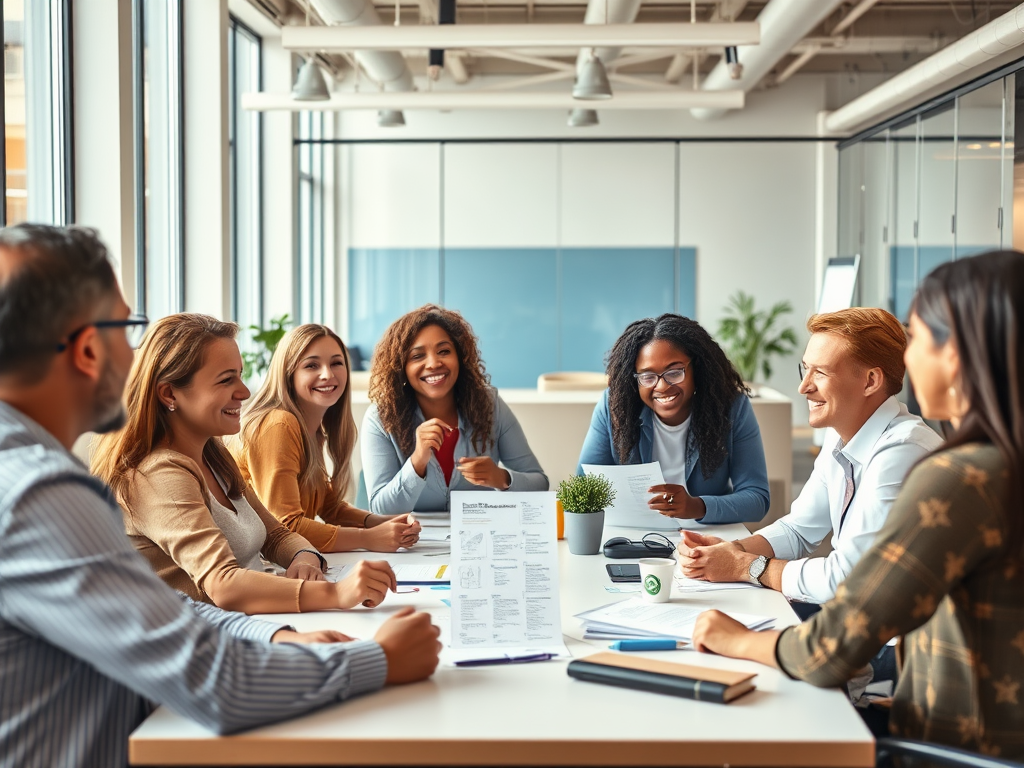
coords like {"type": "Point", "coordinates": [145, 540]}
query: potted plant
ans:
{"type": "Point", "coordinates": [750, 337]}
{"type": "Point", "coordinates": [256, 361]}
{"type": "Point", "coordinates": [584, 499]}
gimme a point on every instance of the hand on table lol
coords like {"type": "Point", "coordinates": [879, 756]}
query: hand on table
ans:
{"type": "Point", "coordinates": [484, 472]}
{"type": "Point", "coordinates": [715, 632]}
{"type": "Point", "coordinates": [367, 585]}
{"type": "Point", "coordinates": [712, 559]}
{"type": "Point", "coordinates": [673, 501]}
{"type": "Point", "coordinates": [391, 534]}
{"type": "Point", "coordinates": [305, 638]}
{"type": "Point", "coordinates": [411, 645]}
{"type": "Point", "coordinates": [305, 566]}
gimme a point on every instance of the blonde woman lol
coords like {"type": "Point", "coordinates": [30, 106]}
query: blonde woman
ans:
{"type": "Point", "coordinates": [303, 408]}
{"type": "Point", "coordinates": [183, 498]}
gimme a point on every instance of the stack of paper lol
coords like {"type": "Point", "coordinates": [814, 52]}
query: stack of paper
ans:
{"type": "Point", "coordinates": [636, 618]}
{"type": "Point", "coordinates": [686, 584]}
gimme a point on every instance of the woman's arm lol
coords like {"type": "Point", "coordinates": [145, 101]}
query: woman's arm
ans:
{"type": "Point", "coordinates": [749, 500]}
{"type": "Point", "coordinates": [391, 482]}
{"type": "Point", "coordinates": [597, 446]}
{"type": "Point", "coordinates": [514, 451]}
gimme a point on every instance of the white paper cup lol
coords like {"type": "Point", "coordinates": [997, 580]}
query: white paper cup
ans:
{"type": "Point", "coordinates": [656, 579]}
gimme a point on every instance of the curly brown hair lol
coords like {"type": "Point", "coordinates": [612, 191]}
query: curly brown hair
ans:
{"type": "Point", "coordinates": [396, 403]}
{"type": "Point", "coordinates": [718, 385]}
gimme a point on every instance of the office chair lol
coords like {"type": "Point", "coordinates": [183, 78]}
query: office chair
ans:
{"type": "Point", "coordinates": [934, 754]}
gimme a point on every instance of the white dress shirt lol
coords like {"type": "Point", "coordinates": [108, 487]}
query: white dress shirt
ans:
{"type": "Point", "coordinates": [881, 453]}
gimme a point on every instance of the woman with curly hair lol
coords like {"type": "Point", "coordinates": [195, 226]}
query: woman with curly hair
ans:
{"type": "Point", "coordinates": [435, 424]}
{"type": "Point", "coordinates": [674, 397]}
{"type": "Point", "coordinates": [302, 411]}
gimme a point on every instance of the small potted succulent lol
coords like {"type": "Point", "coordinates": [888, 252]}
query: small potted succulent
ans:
{"type": "Point", "coordinates": [584, 499]}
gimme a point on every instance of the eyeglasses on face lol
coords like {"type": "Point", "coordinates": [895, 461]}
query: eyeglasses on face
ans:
{"type": "Point", "coordinates": [672, 376]}
{"type": "Point", "coordinates": [134, 328]}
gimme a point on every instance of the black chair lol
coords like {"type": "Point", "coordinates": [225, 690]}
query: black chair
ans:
{"type": "Point", "coordinates": [934, 754]}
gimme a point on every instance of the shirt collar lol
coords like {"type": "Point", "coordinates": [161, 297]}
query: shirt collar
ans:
{"type": "Point", "coordinates": [859, 449]}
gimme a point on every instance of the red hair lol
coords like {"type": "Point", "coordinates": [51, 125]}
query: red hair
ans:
{"type": "Point", "coordinates": [873, 336]}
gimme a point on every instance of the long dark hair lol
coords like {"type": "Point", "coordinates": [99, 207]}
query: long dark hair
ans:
{"type": "Point", "coordinates": [978, 302]}
{"type": "Point", "coordinates": [396, 403]}
{"type": "Point", "coordinates": [717, 382]}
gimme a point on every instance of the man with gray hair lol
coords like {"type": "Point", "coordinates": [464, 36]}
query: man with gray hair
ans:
{"type": "Point", "coordinates": [91, 638]}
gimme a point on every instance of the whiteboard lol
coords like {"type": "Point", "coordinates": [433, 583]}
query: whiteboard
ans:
{"type": "Point", "coordinates": [839, 284]}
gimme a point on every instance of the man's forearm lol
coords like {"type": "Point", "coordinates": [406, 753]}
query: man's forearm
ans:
{"type": "Point", "coordinates": [757, 545]}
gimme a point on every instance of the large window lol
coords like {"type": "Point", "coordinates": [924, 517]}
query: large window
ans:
{"type": "Point", "coordinates": [245, 145]}
{"type": "Point", "coordinates": [158, 157]}
{"type": "Point", "coordinates": [927, 187]}
{"type": "Point", "coordinates": [310, 280]}
{"type": "Point", "coordinates": [37, 145]}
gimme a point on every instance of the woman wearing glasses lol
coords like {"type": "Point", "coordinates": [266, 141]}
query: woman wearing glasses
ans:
{"type": "Point", "coordinates": [674, 397]}
{"type": "Point", "coordinates": [436, 424]}
{"type": "Point", "coordinates": [185, 505]}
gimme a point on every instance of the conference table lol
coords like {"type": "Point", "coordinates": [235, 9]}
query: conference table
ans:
{"type": "Point", "coordinates": [535, 714]}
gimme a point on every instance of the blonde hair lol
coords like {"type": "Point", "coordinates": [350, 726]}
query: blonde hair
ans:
{"type": "Point", "coordinates": [173, 350]}
{"type": "Point", "coordinates": [874, 337]}
{"type": "Point", "coordinates": [278, 393]}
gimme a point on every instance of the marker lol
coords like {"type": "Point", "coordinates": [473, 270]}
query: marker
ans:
{"type": "Point", "coordinates": [654, 644]}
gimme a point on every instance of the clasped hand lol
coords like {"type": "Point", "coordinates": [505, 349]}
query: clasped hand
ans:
{"type": "Point", "coordinates": [711, 558]}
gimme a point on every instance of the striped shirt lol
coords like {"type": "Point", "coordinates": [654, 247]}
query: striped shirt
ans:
{"type": "Point", "coordinates": [91, 640]}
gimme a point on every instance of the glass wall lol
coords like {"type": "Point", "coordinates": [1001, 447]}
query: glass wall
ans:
{"type": "Point", "coordinates": [927, 187]}
{"type": "Point", "coordinates": [310, 283]}
{"type": "Point", "coordinates": [37, 133]}
{"type": "Point", "coordinates": [246, 182]}
{"type": "Point", "coordinates": [159, 172]}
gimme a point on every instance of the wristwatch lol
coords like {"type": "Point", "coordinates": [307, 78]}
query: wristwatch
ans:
{"type": "Point", "coordinates": [757, 569]}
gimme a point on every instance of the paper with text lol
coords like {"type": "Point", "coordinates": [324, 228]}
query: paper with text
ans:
{"type": "Point", "coordinates": [630, 509]}
{"type": "Point", "coordinates": [504, 569]}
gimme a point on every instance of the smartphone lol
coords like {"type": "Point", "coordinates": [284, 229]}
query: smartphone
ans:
{"type": "Point", "coordinates": [623, 572]}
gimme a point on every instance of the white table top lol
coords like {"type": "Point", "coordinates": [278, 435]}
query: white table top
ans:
{"type": "Point", "coordinates": [534, 714]}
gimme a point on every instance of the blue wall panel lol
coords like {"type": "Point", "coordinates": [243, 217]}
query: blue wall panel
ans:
{"type": "Point", "coordinates": [604, 290]}
{"type": "Point", "coordinates": [901, 259]}
{"type": "Point", "coordinates": [509, 296]}
{"type": "Point", "coordinates": [384, 284]}
{"type": "Point", "coordinates": [686, 289]}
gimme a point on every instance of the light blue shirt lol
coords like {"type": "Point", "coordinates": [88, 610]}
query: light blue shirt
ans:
{"type": "Point", "coordinates": [882, 452]}
{"type": "Point", "coordinates": [736, 492]}
{"type": "Point", "coordinates": [394, 487]}
{"type": "Point", "coordinates": [91, 640]}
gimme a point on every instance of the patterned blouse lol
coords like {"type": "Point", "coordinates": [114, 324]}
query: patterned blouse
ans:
{"type": "Point", "coordinates": [939, 574]}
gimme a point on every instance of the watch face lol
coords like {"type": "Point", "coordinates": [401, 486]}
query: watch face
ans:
{"type": "Point", "coordinates": [757, 567]}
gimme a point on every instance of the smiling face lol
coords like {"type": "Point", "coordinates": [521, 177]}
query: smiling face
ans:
{"type": "Point", "coordinates": [670, 403]}
{"type": "Point", "coordinates": [432, 364]}
{"type": "Point", "coordinates": [210, 406]}
{"type": "Point", "coordinates": [933, 370]}
{"type": "Point", "coordinates": [320, 377]}
{"type": "Point", "coordinates": [836, 386]}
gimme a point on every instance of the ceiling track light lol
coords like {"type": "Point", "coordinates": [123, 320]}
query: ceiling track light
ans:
{"type": "Point", "coordinates": [310, 85]}
{"type": "Point", "coordinates": [582, 118]}
{"type": "Point", "coordinates": [732, 61]}
{"type": "Point", "coordinates": [592, 83]}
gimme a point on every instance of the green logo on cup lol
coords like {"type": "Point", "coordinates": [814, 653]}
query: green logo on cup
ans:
{"type": "Point", "coordinates": [652, 584]}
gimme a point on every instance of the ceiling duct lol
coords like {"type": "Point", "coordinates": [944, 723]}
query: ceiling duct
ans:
{"type": "Point", "coordinates": [784, 23]}
{"type": "Point", "coordinates": [387, 68]}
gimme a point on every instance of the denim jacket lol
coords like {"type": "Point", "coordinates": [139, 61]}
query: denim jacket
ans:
{"type": "Point", "coordinates": [394, 487]}
{"type": "Point", "coordinates": [737, 492]}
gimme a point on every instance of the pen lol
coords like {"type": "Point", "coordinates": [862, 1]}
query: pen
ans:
{"type": "Point", "coordinates": [654, 644]}
{"type": "Point", "coordinates": [505, 660]}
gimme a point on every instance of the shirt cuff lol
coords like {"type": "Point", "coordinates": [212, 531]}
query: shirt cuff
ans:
{"type": "Point", "coordinates": [778, 540]}
{"type": "Point", "coordinates": [791, 581]}
{"type": "Point", "coordinates": [368, 666]}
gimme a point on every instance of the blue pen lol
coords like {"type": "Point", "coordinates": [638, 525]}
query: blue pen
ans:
{"type": "Point", "coordinates": [654, 644]}
{"type": "Point", "coordinates": [505, 660]}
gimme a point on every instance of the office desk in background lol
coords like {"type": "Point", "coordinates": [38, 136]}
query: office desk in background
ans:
{"type": "Point", "coordinates": [535, 714]}
{"type": "Point", "coordinates": [556, 423]}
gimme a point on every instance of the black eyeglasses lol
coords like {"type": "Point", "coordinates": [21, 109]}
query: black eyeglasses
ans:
{"type": "Point", "coordinates": [672, 376]}
{"type": "Point", "coordinates": [134, 328]}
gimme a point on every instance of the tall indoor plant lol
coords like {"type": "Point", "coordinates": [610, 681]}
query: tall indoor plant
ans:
{"type": "Point", "coordinates": [751, 337]}
{"type": "Point", "coordinates": [584, 499]}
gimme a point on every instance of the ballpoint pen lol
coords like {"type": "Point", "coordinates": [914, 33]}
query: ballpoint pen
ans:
{"type": "Point", "coordinates": [505, 660]}
{"type": "Point", "coordinates": [654, 644]}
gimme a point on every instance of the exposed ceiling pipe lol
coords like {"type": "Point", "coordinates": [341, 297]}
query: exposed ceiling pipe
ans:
{"type": "Point", "coordinates": [607, 12]}
{"type": "Point", "coordinates": [724, 11]}
{"type": "Point", "coordinates": [970, 55]}
{"type": "Point", "coordinates": [784, 23]}
{"type": "Point", "coordinates": [388, 68]}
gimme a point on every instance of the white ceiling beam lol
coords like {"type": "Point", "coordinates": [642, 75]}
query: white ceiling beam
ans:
{"type": "Point", "coordinates": [462, 99]}
{"type": "Point", "coordinates": [522, 58]}
{"type": "Point", "coordinates": [797, 64]}
{"type": "Point", "coordinates": [853, 15]}
{"type": "Point", "coordinates": [677, 68]}
{"type": "Point", "coordinates": [455, 65]}
{"type": "Point", "coordinates": [529, 82]}
{"type": "Point", "coordinates": [641, 58]}
{"type": "Point", "coordinates": [854, 46]}
{"type": "Point", "coordinates": [390, 38]}
{"type": "Point", "coordinates": [615, 77]}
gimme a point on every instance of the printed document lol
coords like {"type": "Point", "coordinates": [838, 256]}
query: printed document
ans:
{"type": "Point", "coordinates": [504, 572]}
{"type": "Point", "coordinates": [630, 509]}
{"type": "Point", "coordinates": [405, 573]}
{"type": "Point", "coordinates": [657, 619]}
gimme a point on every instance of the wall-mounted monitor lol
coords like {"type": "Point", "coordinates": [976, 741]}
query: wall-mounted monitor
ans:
{"type": "Point", "coordinates": [839, 285]}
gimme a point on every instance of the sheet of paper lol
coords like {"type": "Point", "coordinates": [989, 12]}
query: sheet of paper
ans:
{"type": "Point", "coordinates": [630, 509]}
{"type": "Point", "coordinates": [504, 575]}
{"type": "Point", "coordinates": [435, 534]}
{"type": "Point", "coordinates": [685, 584]}
{"type": "Point", "coordinates": [405, 573]}
{"type": "Point", "coordinates": [661, 619]}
